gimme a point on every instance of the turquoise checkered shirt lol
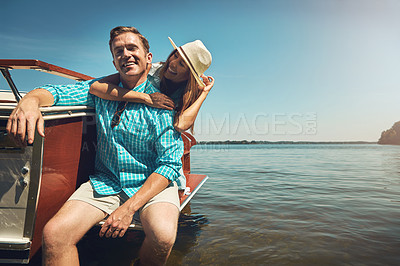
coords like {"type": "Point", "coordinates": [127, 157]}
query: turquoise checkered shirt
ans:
{"type": "Point", "coordinates": [144, 142]}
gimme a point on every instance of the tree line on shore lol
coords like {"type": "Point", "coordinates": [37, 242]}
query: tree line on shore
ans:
{"type": "Point", "coordinates": [388, 137]}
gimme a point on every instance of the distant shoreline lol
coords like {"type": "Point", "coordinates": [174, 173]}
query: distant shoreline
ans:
{"type": "Point", "coordinates": [238, 142]}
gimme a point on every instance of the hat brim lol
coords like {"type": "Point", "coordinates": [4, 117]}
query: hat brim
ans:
{"type": "Point", "coordinates": [184, 57]}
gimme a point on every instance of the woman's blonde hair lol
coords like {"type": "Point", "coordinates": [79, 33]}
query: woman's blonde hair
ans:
{"type": "Point", "coordinates": [190, 93]}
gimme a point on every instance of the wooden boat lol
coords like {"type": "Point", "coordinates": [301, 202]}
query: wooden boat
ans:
{"type": "Point", "coordinates": [36, 180]}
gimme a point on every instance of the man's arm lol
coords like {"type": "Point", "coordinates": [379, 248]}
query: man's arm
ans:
{"type": "Point", "coordinates": [118, 222]}
{"type": "Point", "coordinates": [26, 116]}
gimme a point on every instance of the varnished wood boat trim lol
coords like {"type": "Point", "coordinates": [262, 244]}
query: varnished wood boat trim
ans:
{"type": "Point", "coordinates": [43, 66]}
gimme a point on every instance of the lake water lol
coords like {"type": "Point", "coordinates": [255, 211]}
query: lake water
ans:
{"type": "Point", "coordinates": [297, 205]}
{"type": "Point", "coordinates": [282, 205]}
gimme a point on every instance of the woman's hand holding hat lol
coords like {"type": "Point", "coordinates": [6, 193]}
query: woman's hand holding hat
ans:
{"type": "Point", "coordinates": [208, 81]}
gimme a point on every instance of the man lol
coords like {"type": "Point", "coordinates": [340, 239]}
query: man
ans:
{"type": "Point", "coordinates": [138, 157]}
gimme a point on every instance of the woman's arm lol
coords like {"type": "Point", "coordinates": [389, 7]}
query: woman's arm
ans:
{"type": "Point", "coordinates": [105, 88]}
{"type": "Point", "coordinates": [187, 117]}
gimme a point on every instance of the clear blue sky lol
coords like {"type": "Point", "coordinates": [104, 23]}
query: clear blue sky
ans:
{"type": "Point", "coordinates": [284, 70]}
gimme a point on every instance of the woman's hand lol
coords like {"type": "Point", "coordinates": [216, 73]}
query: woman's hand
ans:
{"type": "Point", "coordinates": [160, 100]}
{"type": "Point", "coordinates": [208, 81]}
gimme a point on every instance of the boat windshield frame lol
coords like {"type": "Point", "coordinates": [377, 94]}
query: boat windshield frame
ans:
{"type": "Point", "coordinates": [7, 64]}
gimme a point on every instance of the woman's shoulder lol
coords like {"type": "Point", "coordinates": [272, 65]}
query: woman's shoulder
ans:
{"type": "Point", "coordinates": [154, 74]}
{"type": "Point", "coordinates": [155, 68]}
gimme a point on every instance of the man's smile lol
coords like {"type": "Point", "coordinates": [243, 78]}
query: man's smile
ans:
{"type": "Point", "coordinates": [127, 64]}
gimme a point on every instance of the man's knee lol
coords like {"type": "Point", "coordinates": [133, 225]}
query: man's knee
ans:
{"type": "Point", "coordinates": [165, 239]}
{"type": "Point", "coordinates": [164, 234]}
{"type": "Point", "coordinates": [53, 234]}
{"type": "Point", "coordinates": [60, 230]}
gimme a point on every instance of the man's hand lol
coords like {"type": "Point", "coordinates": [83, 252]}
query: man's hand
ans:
{"type": "Point", "coordinates": [160, 100]}
{"type": "Point", "coordinates": [117, 223]}
{"type": "Point", "coordinates": [24, 119]}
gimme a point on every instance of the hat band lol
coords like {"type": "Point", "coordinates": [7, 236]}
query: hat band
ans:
{"type": "Point", "coordinates": [187, 58]}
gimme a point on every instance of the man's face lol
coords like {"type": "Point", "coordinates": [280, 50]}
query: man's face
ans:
{"type": "Point", "coordinates": [130, 57]}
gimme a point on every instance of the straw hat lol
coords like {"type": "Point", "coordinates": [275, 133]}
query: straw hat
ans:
{"type": "Point", "coordinates": [196, 56]}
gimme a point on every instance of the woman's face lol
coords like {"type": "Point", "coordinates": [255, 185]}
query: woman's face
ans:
{"type": "Point", "coordinates": [177, 70]}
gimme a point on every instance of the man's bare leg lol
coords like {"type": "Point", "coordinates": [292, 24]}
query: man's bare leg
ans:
{"type": "Point", "coordinates": [160, 223]}
{"type": "Point", "coordinates": [65, 229]}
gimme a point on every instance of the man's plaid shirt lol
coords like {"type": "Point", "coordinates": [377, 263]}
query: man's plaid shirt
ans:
{"type": "Point", "coordinates": [144, 141]}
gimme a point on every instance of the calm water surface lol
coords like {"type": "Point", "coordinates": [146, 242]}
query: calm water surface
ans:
{"type": "Point", "coordinates": [297, 205]}
{"type": "Point", "coordinates": [282, 205]}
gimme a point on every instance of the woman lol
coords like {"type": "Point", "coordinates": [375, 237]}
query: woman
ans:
{"type": "Point", "coordinates": [180, 79]}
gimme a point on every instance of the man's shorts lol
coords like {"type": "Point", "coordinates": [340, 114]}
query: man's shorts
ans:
{"type": "Point", "coordinates": [109, 203]}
